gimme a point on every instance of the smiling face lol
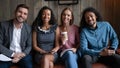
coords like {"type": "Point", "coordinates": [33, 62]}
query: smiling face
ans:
{"type": "Point", "coordinates": [66, 17]}
{"type": "Point", "coordinates": [90, 19]}
{"type": "Point", "coordinates": [46, 15]}
{"type": "Point", "coordinates": [21, 14]}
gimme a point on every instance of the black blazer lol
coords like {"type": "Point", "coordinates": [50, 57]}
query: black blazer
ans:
{"type": "Point", "coordinates": [6, 33]}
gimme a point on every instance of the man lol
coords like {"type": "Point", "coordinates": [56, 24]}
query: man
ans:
{"type": "Point", "coordinates": [15, 39]}
{"type": "Point", "coordinates": [94, 40]}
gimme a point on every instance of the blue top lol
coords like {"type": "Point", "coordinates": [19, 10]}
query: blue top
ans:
{"type": "Point", "coordinates": [45, 40]}
{"type": "Point", "coordinates": [93, 41]}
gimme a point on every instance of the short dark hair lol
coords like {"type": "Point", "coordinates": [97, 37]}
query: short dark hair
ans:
{"type": "Point", "coordinates": [22, 6]}
{"type": "Point", "coordinates": [67, 8]}
{"type": "Point", "coordinates": [89, 9]}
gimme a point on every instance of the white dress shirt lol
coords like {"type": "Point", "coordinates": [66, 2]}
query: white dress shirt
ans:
{"type": "Point", "coordinates": [15, 44]}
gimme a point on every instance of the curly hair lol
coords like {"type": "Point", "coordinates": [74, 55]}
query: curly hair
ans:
{"type": "Point", "coordinates": [38, 21]}
{"type": "Point", "coordinates": [89, 9]}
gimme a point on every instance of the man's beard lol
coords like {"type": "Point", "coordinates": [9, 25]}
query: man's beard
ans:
{"type": "Point", "coordinates": [19, 21]}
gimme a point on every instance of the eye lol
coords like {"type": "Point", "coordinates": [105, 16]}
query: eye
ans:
{"type": "Point", "coordinates": [25, 14]}
{"type": "Point", "coordinates": [91, 15]}
{"type": "Point", "coordinates": [48, 14]}
{"type": "Point", "coordinates": [68, 15]}
{"type": "Point", "coordinates": [43, 14]}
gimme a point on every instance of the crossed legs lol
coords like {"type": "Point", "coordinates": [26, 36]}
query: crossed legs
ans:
{"type": "Point", "coordinates": [47, 61]}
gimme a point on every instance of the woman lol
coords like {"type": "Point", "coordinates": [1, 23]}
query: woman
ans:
{"type": "Point", "coordinates": [45, 38]}
{"type": "Point", "coordinates": [69, 39]}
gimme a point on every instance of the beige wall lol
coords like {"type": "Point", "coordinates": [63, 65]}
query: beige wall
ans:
{"type": "Point", "coordinates": [109, 9]}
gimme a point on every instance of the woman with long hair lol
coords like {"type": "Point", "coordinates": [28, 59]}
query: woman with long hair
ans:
{"type": "Point", "coordinates": [45, 38]}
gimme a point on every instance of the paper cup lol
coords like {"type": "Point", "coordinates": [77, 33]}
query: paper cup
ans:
{"type": "Point", "coordinates": [64, 34]}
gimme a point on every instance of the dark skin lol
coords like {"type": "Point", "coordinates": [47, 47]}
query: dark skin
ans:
{"type": "Point", "coordinates": [48, 58]}
{"type": "Point", "coordinates": [90, 18]}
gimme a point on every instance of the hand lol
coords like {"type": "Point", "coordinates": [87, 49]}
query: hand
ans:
{"type": "Point", "coordinates": [118, 51]}
{"type": "Point", "coordinates": [43, 52]}
{"type": "Point", "coordinates": [15, 60]}
{"type": "Point", "coordinates": [111, 52]}
{"type": "Point", "coordinates": [107, 52]}
{"type": "Point", "coordinates": [63, 40]}
{"type": "Point", "coordinates": [52, 52]}
{"type": "Point", "coordinates": [104, 52]}
{"type": "Point", "coordinates": [19, 55]}
{"type": "Point", "coordinates": [74, 50]}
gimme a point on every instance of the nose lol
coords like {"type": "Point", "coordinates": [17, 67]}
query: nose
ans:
{"type": "Point", "coordinates": [66, 15]}
{"type": "Point", "coordinates": [22, 14]}
{"type": "Point", "coordinates": [89, 18]}
{"type": "Point", "coordinates": [45, 16]}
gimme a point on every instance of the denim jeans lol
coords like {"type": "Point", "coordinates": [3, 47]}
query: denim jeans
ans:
{"type": "Point", "coordinates": [25, 62]}
{"type": "Point", "coordinates": [70, 59]}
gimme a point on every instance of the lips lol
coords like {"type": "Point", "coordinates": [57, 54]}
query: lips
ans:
{"type": "Point", "coordinates": [46, 19]}
{"type": "Point", "coordinates": [65, 19]}
{"type": "Point", "coordinates": [20, 19]}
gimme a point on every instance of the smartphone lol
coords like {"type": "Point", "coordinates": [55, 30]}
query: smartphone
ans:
{"type": "Point", "coordinates": [111, 48]}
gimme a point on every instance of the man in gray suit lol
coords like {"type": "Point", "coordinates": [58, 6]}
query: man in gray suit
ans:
{"type": "Point", "coordinates": [15, 39]}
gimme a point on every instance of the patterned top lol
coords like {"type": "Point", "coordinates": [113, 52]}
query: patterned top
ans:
{"type": "Point", "coordinates": [45, 40]}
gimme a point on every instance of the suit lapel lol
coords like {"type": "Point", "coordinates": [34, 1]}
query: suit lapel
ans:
{"type": "Point", "coordinates": [23, 33]}
{"type": "Point", "coordinates": [11, 30]}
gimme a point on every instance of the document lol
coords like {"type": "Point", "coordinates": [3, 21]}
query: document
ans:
{"type": "Point", "coordinates": [4, 58]}
{"type": "Point", "coordinates": [63, 52]}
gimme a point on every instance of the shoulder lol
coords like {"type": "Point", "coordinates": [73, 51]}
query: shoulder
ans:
{"type": "Point", "coordinates": [105, 23]}
{"type": "Point", "coordinates": [53, 27]}
{"type": "Point", "coordinates": [75, 27]}
{"type": "Point", "coordinates": [6, 23]}
{"type": "Point", "coordinates": [58, 29]}
{"type": "Point", "coordinates": [27, 27]}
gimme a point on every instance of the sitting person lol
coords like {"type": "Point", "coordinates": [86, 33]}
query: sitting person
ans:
{"type": "Point", "coordinates": [95, 35]}
{"type": "Point", "coordinates": [69, 39]}
{"type": "Point", "coordinates": [45, 38]}
{"type": "Point", "coordinates": [15, 39]}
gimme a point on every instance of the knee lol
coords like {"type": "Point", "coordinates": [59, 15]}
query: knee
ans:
{"type": "Point", "coordinates": [48, 57]}
{"type": "Point", "coordinates": [87, 58]}
{"type": "Point", "coordinates": [69, 53]}
{"type": "Point", "coordinates": [45, 57]}
{"type": "Point", "coordinates": [26, 62]}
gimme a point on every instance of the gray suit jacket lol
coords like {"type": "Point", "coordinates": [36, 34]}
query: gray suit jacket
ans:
{"type": "Point", "coordinates": [6, 33]}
